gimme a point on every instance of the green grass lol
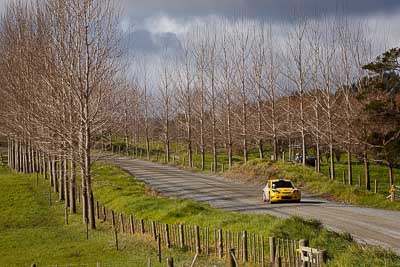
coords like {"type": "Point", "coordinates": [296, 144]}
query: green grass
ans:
{"type": "Point", "coordinates": [320, 184]}
{"type": "Point", "coordinates": [378, 172]}
{"type": "Point", "coordinates": [119, 191]}
{"type": "Point", "coordinates": [32, 231]}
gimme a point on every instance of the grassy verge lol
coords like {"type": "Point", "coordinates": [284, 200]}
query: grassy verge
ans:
{"type": "Point", "coordinates": [257, 171]}
{"type": "Point", "coordinates": [32, 231]}
{"type": "Point", "coordinates": [118, 190]}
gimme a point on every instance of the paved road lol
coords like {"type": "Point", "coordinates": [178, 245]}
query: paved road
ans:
{"type": "Point", "coordinates": [371, 226]}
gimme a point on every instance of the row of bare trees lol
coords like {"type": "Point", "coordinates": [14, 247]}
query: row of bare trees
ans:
{"type": "Point", "coordinates": [59, 63]}
{"type": "Point", "coordinates": [234, 87]}
{"type": "Point", "coordinates": [244, 86]}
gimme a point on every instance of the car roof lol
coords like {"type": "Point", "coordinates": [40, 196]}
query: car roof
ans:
{"type": "Point", "coordinates": [277, 180]}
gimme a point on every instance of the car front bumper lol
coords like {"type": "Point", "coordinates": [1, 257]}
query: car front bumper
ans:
{"type": "Point", "coordinates": [285, 198]}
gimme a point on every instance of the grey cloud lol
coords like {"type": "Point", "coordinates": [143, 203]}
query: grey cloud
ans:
{"type": "Point", "coordinates": [274, 9]}
{"type": "Point", "coordinates": [143, 41]}
{"type": "Point", "coordinates": [168, 41]}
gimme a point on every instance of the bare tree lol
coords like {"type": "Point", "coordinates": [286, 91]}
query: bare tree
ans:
{"type": "Point", "coordinates": [166, 93]}
{"type": "Point", "coordinates": [185, 97]}
{"type": "Point", "coordinates": [297, 72]}
{"type": "Point", "coordinates": [241, 48]}
{"type": "Point", "coordinates": [227, 91]}
{"type": "Point", "coordinates": [211, 73]}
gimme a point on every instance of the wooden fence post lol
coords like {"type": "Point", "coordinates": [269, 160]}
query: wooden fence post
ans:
{"type": "Point", "coordinates": [262, 252]}
{"type": "Point", "coordinates": [272, 250]}
{"type": "Point", "coordinates": [154, 230]}
{"type": "Point", "coordinates": [245, 252]}
{"type": "Point", "coordinates": [220, 244]}
{"type": "Point", "coordinates": [159, 247]}
{"type": "Point", "coordinates": [122, 223]}
{"type": "Point", "coordinates": [170, 262]}
{"type": "Point", "coordinates": [278, 262]}
{"type": "Point", "coordinates": [376, 187]}
{"type": "Point", "coordinates": [98, 210]}
{"type": "Point", "coordinates": [181, 236]}
{"type": "Point", "coordinates": [104, 214]}
{"type": "Point", "coordinates": [322, 257]}
{"type": "Point", "coordinates": [303, 243]}
{"type": "Point", "coordinates": [132, 225]}
{"type": "Point", "coordinates": [87, 228]}
{"type": "Point", "coordinates": [197, 239]}
{"type": "Point", "coordinates": [232, 262]}
{"type": "Point", "coordinates": [167, 240]}
{"type": "Point", "coordinates": [66, 215]}
{"type": "Point", "coordinates": [142, 226]}
{"type": "Point", "coordinates": [116, 237]}
{"type": "Point", "coordinates": [359, 180]}
{"type": "Point", "coordinates": [208, 241]}
{"type": "Point", "coordinates": [113, 219]}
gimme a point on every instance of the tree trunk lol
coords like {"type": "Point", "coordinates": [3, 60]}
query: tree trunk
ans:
{"type": "Point", "coordinates": [86, 175]}
{"type": "Point", "coordinates": [66, 183]}
{"type": "Point", "coordinates": [244, 132]}
{"type": "Point", "coordinates": [72, 189]}
{"type": "Point", "coordinates": [24, 158]}
{"type": "Point", "coordinates": [61, 179]}
{"type": "Point", "coordinates": [317, 137]}
{"type": "Point", "coordinates": [318, 157]}
{"type": "Point", "coordinates": [45, 166]}
{"type": "Point", "coordinates": [54, 171]}
{"type": "Point", "coordinates": [8, 152]}
{"type": "Point", "coordinates": [260, 148]}
{"type": "Point", "coordinates": [190, 154]}
{"type": "Point", "coordinates": [349, 166]}
{"type": "Point", "coordinates": [189, 138]}
{"type": "Point", "coordinates": [167, 150]}
{"type": "Point", "coordinates": [28, 157]}
{"type": "Point", "coordinates": [147, 145]}
{"type": "Point", "coordinates": [366, 171]}
{"type": "Point", "coordinates": [332, 162]}
{"type": "Point", "coordinates": [302, 130]}
{"type": "Point", "coordinates": [391, 177]}
{"type": "Point", "coordinates": [214, 143]}
{"type": "Point", "coordinates": [230, 152]}
{"type": "Point", "coordinates": [84, 198]}
{"type": "Point", "coordinates": [50, 168]}
{"type": "Point", "coordinates": [127, 145]}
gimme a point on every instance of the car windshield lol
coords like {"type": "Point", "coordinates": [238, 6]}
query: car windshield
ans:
{"type": "Point", "coordinates": [282, 184]}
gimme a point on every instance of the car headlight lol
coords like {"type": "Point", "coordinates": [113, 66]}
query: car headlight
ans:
{"type": "Point", "coordinates": [275, 191]}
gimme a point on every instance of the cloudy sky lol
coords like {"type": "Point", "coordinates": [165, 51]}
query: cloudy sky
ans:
{"type": "Point", "coordinates": [156, 24]}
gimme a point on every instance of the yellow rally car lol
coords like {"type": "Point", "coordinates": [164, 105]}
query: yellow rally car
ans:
{"type": "Point", "coordinates": [280, 190]}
